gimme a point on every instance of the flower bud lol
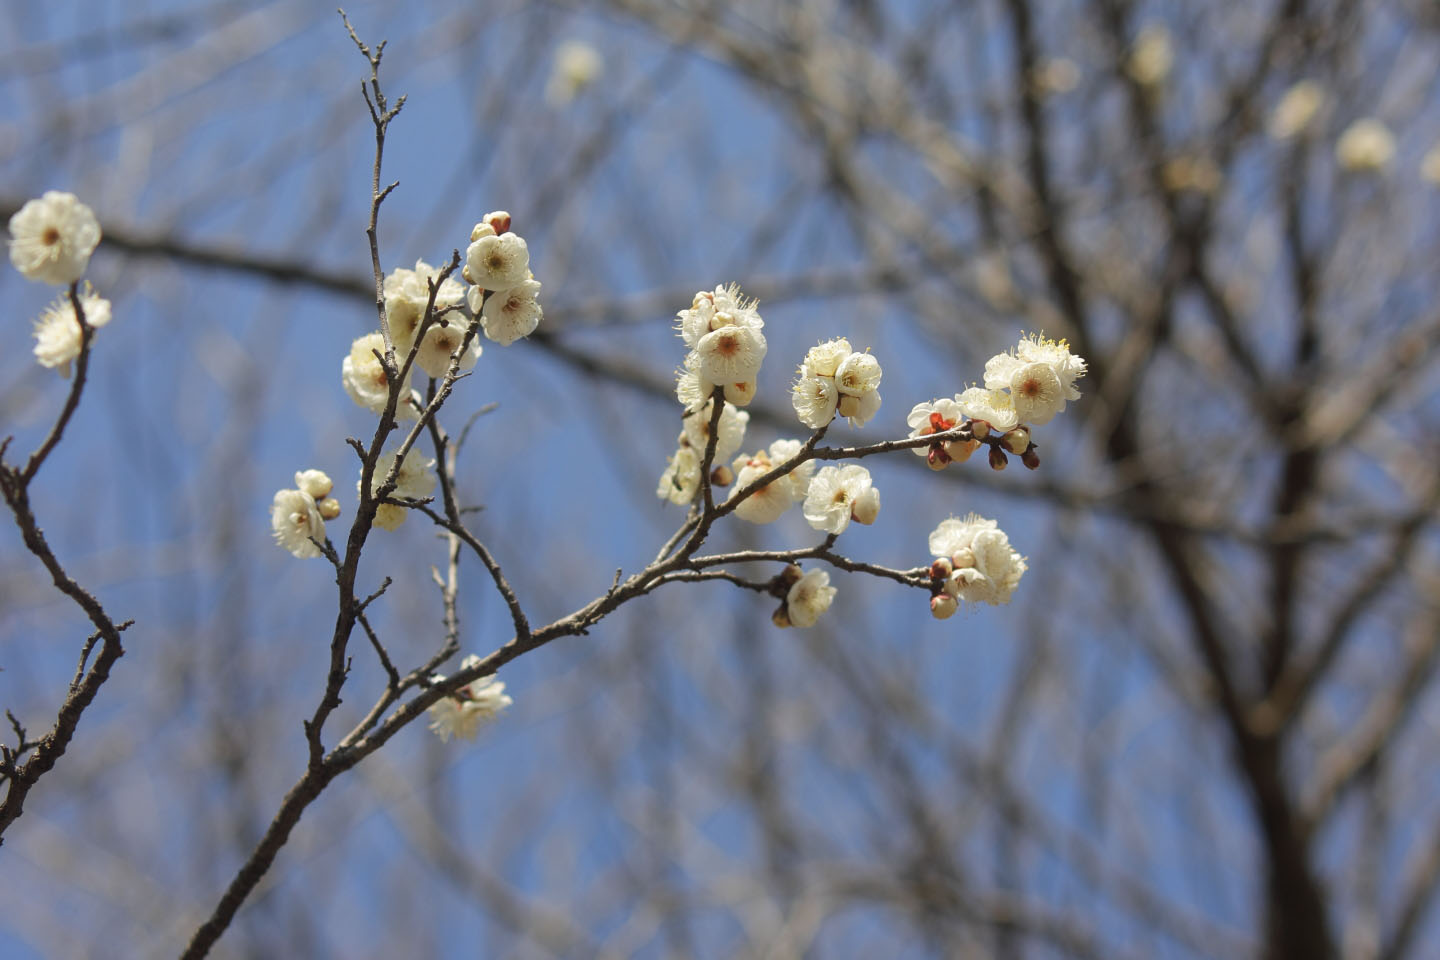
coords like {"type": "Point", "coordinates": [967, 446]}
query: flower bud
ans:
{"type": "Point", "coordinates": [481, 229]}
{"type": "Point", "coordinates": [791, 575]}
{"type": "Point", "coordinates": [1031, 459]}
{"type": "Point", "coordinates": [722, 476]}
{"type": "Point", "coordinates": [740, 393]}
{"type": "Point", "coordinates": [315, 483]}
{"type": "Point", "coordinates": [329, 508]}
{"type": "Point", "coordinates": [497, 220]}
{"type": "Point", "coordinates": [941, 568]}
{"type": "Point", "coordinates": [960, 450]}
{"type": "Point", "coordinates": [866, 507]}
{"type": "Point", "coordinates": [979, 429]}
{"type": "Point", "coordinates": [781, 617]}
{"type": "Point", "coordinates": [943, 606]}
{"type": "Point", "coordinates": [998, 460]}
{"type": "Point", "coordinates": [1017, 440]}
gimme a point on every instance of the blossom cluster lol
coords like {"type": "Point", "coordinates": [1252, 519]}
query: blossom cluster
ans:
{"type": "Point", "coordinates": [1024, 387]}
{"type": "Point", "coordinates": [974, 563]}
{"type": "Point", "coordinates": [297, 517]}
{"type": "Point", "coordinates": [501, 296]}
{"type": "Point", "coordinates": [51, 240]}
{"type": "Point", "coordinates": [835, 379]}
{"type": "Point", "coordinates": [725, 334]}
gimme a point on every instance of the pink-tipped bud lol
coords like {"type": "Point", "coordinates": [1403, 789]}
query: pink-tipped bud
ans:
{"type": "Point", "coordinates": [1031, 459]}
{"type": "Point", "coordinates": [941, 568]}
{"type": "Point", "coordinates": [1017, 440]}
{"type": "Point", "coordinates": [481, 230]}
{"type": "Point", "coordinates": [329, 508]}
{"type": "Point", "coordinates": [937, 458]}
{"type": "Point", "coordinates": [722, 476]}
{"type": "Point", "coordinates": [943, 606]}
{"type": "Point", "coordinates": [960, 450]}
{"type": "Point", "coordinates": [979, 429]}
{"type": "Point", "coordinates": [497, 220]}
{"type": "Point", "coordinates": [998, 460]}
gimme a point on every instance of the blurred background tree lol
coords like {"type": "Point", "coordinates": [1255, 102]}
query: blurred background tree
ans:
{"type": "Point", "coordinates": [1206, 728]}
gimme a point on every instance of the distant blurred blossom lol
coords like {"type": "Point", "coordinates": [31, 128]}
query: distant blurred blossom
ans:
{"type": "Point", "coordinates": [577, 66]}
{"type": "Point", "coordinates": [1430, 165]}
{"type": "Point", "coordinates": [1296, 109]}
{"type": "Point", "coordinates": [1152, 58]}
{"type": "Point", "coordinates": [1366, 146]}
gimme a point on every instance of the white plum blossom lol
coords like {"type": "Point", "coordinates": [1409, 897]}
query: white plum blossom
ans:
{"type": "Point", "coordinates": [443, 343]}
{"type": "Point", "coordinates": [691, 389]}
{"type": "Point", "coordinates": [315, 483]}
{"type": "Point", "coordinates": [731, 354]}
{"type": "Point", "coordinates": [830, 499]}
{"type": "Point", "coordinates": [815, 400]}
{"type": "Point", "coordinates": [857, 375]}
{"type": "Point", "coordinates": [57, 331]}
{"type": "Point", "coordinates": [407, 292]}
{"type": "Point", "coordinates": [985, 567]}
{"type": "Point", "coordinates": [51, 238]}
{"type": "Point", "coordinates": [681, 479]}
{"type": "Point", "coordinates": [295, 520]}
{"type": "Point", "coordinates": [730, 435]}
{"type": "Point", "coordinates": [508, 315]}
{"type": "Point", "coordinates": [712, 309]}
{"type": "Point", "coordinates": [1366, 146]}
{"type": "Point", "coordinates": [1035, 392]}
{"type": "Point", "coordinates": [766, 504]}
{"type": "Point", "coordinates": [464, 712]}
{"type": "Point", "coordinates": [825, 358]}
{"type": "Point", "coordinates": [991, 407]}
{"type": "Point", "coordinates": [415, 480]}
{"type": "Point", "coordinates": [809, 597]}
{"type": "Point", "coordinates": [769, 502]}
{"type": "Point", "coordinates": [1000, 370]}
{"type": "Point", "coordinates": [497, 262]}
{"type": "Point", "coordinates": [365, 381]}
